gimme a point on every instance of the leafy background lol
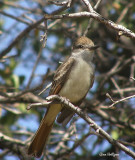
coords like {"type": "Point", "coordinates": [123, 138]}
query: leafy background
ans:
{"type": "Point", "coordinates": [115, 56]}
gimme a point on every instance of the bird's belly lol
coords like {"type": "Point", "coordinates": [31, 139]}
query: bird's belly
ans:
{"type": "Point", "coordinates": [78, 82]}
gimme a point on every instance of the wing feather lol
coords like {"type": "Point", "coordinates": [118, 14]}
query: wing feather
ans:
{"type": "Point", "coordinates": [61, 76]}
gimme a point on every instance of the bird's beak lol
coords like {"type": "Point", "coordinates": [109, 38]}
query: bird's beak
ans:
{"type": "Point", "coordinates": [94, 47]}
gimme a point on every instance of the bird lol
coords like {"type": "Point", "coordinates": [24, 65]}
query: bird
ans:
{"type": "Point", "coordinates": [72, 80]}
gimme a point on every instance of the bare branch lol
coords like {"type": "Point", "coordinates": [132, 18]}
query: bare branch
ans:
{"type": "Point", "coordinates": [99, 18]}
{"type": "Point", "coordinates": [90, 122]}
{"type": "Point", "coordinates": [44, 37]}
{"type": "Point", "coordinates": [121, 100]}
{"type": "Point", "coordinates": [91, 20]}
{"type": "Point", "coordinates": [16, 146]}
{"type": "Point", "coordinates": [58, 3]}
{"type": "Point", "coordinates": [48, 86]}
{"type": "Point", "coordinates": [87, 3]}
{"type": "Point", "coordinates": [118, 88]}
{"type": "Point", "coordinates": [124, 90]}
{"type": "Point", "coordinates": [20, 36]}
{"type": "Point", "coordinates": [26, 31]}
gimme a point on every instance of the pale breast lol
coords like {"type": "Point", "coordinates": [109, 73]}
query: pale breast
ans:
{"type": "Point", "coordinates": [78, 82]}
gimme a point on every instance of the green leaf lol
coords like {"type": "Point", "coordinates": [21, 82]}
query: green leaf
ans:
{"type": "Point", "coordinates": [15, 80]}
{"type": "Point", "coordinates": [115, 134]}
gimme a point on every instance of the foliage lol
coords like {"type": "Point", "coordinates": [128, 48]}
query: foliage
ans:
{"type": "Point", "coordinates": [20, 82]}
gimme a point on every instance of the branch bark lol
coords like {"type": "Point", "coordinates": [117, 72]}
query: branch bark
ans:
{"type": "Point", "coordinates": [121, 29]}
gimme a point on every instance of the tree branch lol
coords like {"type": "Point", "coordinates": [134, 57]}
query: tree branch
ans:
{"type": "Point", "coordinates": [26, 31]}
{"type": "Point", "coordinates": [16, 146]}
{"type": "Point", "coordinates": [121, 29]}
{"type": "Point", "coordinates": [83, 115]}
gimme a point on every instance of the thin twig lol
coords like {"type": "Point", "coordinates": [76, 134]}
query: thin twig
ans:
{"type": "Point", "coordinates": [66, 136]}
{"type": "Point", "coordinates": [26, 31]}
{"type": "Point", "coordinates": [14, 111]}
{"type": "Point", "coordinates": [58, 3]}
{"type": "Point", "coordinates": [87, 3]}
{"type": "Point", "coordinates": [44, 37]}
{"type": "Point", "coordinates": [13, 17]}
{"type": "Point", "coordinates": [48, 86]}
{"type": "Point", "coordinates": [20, 36]}
{"type": "Point", "coordinates": [124, 12]}
{"type": "Point", "coordinates": [69, 3]}
{"type": "Point", "coordinates": [124, 90]}
{"type": "Point", "coordinates": [108, 95]}
{"type": "Point", "coordinates": [114, 70]}
{"type": "Point", "coordinates": [132, 78]}
{"type": "Point", "coordinates": [123, 99]}
{"type": "Point", "coordinates": [34, 68]}
{"type": "Point", "coordinates": [4, 153]}
{"type": "Point", "coordinates": [91, 20]}
{"type": "Point", "coordinates": [43, 40]}
{"type": "Point", "coordinates": [117, 87]}
{"type": "Point", "coordinates": [3, 136]}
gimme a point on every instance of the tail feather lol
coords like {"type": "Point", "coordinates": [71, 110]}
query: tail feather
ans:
{"type": "Point", "coordinates": [39, 141]}
{"type": "Point", "coordinates": [42, 134]}
{"type": "Point", "coordinates": [65, 116]}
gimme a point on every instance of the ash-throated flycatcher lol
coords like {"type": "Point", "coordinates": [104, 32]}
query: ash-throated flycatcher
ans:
{"type": "Point", "coordinates": [72, 80]}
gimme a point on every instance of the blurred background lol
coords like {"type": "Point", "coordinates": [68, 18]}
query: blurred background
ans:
{"type": "Point", "coordinates": [26, 68]}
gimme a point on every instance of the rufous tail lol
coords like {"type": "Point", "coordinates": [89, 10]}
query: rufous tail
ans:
{"type": "Point", "coordinates": [39, 141]}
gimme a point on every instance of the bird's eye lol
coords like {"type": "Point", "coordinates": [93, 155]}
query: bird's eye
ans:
{"type": "Point", "coordinates": [80, 46]}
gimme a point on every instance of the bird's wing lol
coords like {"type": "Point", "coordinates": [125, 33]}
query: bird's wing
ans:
{"type": "Point", "coordinates": [61, 76]}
